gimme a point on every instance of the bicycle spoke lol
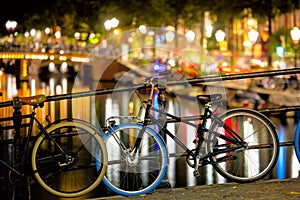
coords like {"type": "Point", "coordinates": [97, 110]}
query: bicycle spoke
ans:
{"type": "Point", "coordinates": [78, 171]}
{"type": "Point", "coordinates": [130, 173]}
{"type": "Point", "coordinates": [255, 159]}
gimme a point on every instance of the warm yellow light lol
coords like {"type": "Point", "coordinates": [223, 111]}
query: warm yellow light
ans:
{"type": "Point", "coordinates": [32, 32]}
{"type": "Point", "coordinates": [220, 35]}
{"type": "Point", "coordinates": [143, 29]}
{"type": "Point", "coordinates": [116, 32]}
{"type": "Point", "coordinates": [247, 43]}
{"type": "Point", "coordinates": [295, 34]}
{"type": "Point", "coordinates": [62, 58]}
{"type": "Point", "coordinates": [77, 35]}
{"type": "Point", "coordinates": [24, 68]}
{"type": "Point", "coordinates": [253, 35]}
{"type": "Point", "coordinates": [47, 30]}
{"type": "Point", "coordinates": [43, 56]}
{"type": "Point", "coordinates": [57, 34]}
{"type": "Point", "coordinates": [11, 25]}
{"type": "Point", "coordinates": [190, 35]}
{"type": "Point", "coordinates": [131, 107]}
{"type": "Point", "coordinates": [130, 39]}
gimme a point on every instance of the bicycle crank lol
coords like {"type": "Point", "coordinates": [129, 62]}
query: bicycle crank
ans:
{"type": "Point", "coordinates": [67, 160]}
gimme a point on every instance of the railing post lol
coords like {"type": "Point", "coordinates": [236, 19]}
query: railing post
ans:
{"type": "Point", "coordinates": [21, 189]}
{"type": "Point", "coordinates": [17, 120]}
{"type": "Point", "coordinates": [162, 103]}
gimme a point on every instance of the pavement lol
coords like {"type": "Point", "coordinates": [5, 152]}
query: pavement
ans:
{"type": "Point", "coordinates": [271, 189]}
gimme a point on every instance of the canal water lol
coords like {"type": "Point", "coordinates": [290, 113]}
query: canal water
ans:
{"type": "Point", "coordinates": [179, 173]}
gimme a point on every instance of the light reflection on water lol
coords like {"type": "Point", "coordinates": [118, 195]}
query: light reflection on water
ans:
{"type": "Point", "coordinates": [180, 174]}
{"type": "Point", "coordinates": [287, 165]}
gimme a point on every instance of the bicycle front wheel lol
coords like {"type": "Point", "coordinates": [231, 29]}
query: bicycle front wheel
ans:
{"type": "Point", "coordinates": [297, 141]}
{"type": "Point", "coordinates": [259, 154]}
{"type": "Point", "coordinates": [71, 160]}
{"type": "Point", "coordinates": [132, 173]}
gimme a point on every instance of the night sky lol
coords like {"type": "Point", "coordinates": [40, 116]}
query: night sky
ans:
{"type": "Point", "coordinates": [13, 10]}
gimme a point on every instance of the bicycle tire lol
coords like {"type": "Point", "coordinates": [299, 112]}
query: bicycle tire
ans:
{"type": "Point", "coordinates": [129, 177]}
{"type": "Point", "coordinates": [297, 141]}
{"type": "Point", "coordinates": [256, 160]}
{"type": "Point", "coordinates": [84, 145]}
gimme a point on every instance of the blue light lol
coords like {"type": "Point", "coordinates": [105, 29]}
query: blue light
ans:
{"type": "Point", "coordinates": [156, 105]}
{"type": "Point", "coordinates": [158, 67]}
{"type": "Point", "coordinates": [280, 51]}
{"type": "Point", "coordinates": [281, 163]}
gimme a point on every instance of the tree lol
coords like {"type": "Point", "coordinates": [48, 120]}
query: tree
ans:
{"type": "Point", "coordinates": [70, 15]}
{"type": "Point", "coordinates": [268, 10]}
{"type": "Point", "coordinates": [89, 15]}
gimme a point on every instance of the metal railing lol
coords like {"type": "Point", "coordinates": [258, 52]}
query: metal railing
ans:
{"type": "Point", "coordinates": [172, 83]}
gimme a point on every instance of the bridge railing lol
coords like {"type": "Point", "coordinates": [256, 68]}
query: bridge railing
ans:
{"type": "Point", "coordinates": [172, 83]}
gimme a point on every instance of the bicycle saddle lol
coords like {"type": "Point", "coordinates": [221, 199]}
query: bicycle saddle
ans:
{"type": "Point", "coordinates": [206, 98]}
{"type": "Point", "coordinates": [33, 100]}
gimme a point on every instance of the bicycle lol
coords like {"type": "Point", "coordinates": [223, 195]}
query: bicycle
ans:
{"type": "Point", "coordinates": [67, 157]}
{"type": "Point", "coordinates": [241, 144]}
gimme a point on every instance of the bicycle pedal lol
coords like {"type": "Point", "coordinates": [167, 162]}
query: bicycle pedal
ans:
{"type": "Point", "coordinates": [196, 173]}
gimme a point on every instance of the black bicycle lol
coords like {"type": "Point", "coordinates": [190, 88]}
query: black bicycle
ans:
{"type": "Point", "coordinates": [241, 144]}
{"type": "Point", "coordinates": [67, 157]}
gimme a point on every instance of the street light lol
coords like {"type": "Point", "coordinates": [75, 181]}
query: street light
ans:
{"type": "Point", "coordinates": [111, 24]}
{"type": "Point", "coordinates": [143, 29]}
{"type": "Point", "coordinates": [190, 36]}
{"type": "Point", "coordinates": [10, 27]}
{"type": "Point", "coordinates": [220, 36]}
{"type": "Point", "coordinates": [253, 35]}
{"type": "Point", "coordinates": [170, 36]}
{"type": "Point", "coordinates": [295, 34]}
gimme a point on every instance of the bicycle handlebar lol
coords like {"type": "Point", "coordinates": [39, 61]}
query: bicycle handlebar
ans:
{"type": "Point", "coordinates": [149, 80]}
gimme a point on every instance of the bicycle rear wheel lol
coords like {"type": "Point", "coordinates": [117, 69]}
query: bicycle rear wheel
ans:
{"type": "Point", "coordinates": [252, 162]}
{"type": "Point", "coordinates": [297, 141]}
{"type": "Point", "coordinates": [130, 174]}
{"type": "Point", "coordinates": [72, 162]}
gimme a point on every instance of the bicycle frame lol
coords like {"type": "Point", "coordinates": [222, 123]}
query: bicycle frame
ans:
{"type": "Point", "coordinates": [20, 158]}
{"type": "Point", "coordinates": [201, 129]}
{"type": "Point", "coordinates": [139, 151]}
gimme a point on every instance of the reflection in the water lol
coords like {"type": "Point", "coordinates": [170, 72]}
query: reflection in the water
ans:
{"type": "Point", "coordinates": [281, 159]}
{"type": "Point", "coordinates": [180, 174]}
{"type": "Point", "coordinates": [287, 165]}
